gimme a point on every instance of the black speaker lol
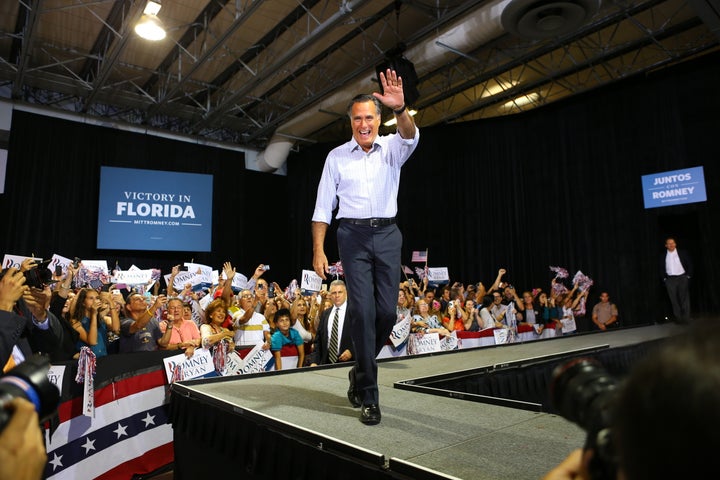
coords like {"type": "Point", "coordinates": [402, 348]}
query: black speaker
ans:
{"type": "Point", "coordinates": [406, 70]}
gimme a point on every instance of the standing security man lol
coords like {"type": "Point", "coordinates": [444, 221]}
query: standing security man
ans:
{"type": "Point", "coordinates": [677, 269]}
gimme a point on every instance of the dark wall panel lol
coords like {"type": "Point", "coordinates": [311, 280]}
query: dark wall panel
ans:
{"type": "Point", "coordinates": [560, 185]}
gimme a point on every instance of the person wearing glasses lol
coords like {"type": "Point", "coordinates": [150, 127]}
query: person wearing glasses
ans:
{"type": "Point", "coordinates": [179, 331]}
{"type": "Point", "coordinates": [250, 327]}
{"type": "Point", "coordinates": [424, 322]}
{"type": "Point", "coordinates": [361, 178]}
{"type": "Point", "coordinates": [261, 295]}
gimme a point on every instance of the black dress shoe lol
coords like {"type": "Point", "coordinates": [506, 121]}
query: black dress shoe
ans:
{"type": "Point", "coordinates": [370, 414]}
{"type": "Point", "coordinates": [352, 393]}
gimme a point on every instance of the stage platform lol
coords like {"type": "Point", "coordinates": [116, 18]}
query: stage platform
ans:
{"type": "Point", "coordinates": [302, 418]}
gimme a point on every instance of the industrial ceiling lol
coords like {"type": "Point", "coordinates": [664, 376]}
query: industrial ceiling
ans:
{"type": "Point", "coordinates": [280, 72]}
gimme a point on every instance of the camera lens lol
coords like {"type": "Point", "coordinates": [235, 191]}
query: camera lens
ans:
{"type": "Point", "coordinates": [29, 381]}
{"type": "Point", "coordinates": [581, 391]}
{"type": "Point", "coordinates": [39, 276]}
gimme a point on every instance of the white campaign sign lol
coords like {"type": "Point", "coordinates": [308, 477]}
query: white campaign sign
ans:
{"type": "Point", "coordinates": [311, 281]}
{"type": "Point", "coordinates": [451, 342]}
{"type": "Point", "coordinates": [133, 277]}
{"type": "Point", "coordinates": [568, 325]}
{"type": "Point", "coordinates": [240, 281]}
{"type": "Point", "coordinates": [55, 375]}
{"type": "Point", "coordinates": [257, 359]}
{"type": "Point", "coordinates": [233, 364]}
{"type": "Point", "coordinates": [501, 335]}
{"type": "Point", "coordinates": [199, 365]}
{"type": "Point", "coordinates": [63, 262]}
{"type": "Point", "coordinates": [427, 343]}
{"type": "Point", "coordinates": [203, 271]}
{"type": "Point", "coordinates": [438, 274]}
{"type": "Point", "coordinates": [15, 261]}
{"type": "Point", "coordinates": [400, 331]}
{"type": "Point", "coordinates": [96, 266]}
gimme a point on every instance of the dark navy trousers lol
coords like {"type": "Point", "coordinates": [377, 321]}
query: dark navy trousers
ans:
{"type": "Point", "coordinates": [370, 259]}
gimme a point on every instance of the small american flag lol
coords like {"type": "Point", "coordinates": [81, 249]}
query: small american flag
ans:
{"type": "Point", "coordinates": [419, 256]}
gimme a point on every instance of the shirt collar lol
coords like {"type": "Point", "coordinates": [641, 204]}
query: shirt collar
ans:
{"type": "Point", "coordinates": [378, 143]}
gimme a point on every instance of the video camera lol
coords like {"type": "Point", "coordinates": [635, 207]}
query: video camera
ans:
{"type": "Point", "coordinates": [38, 276]}
{"type": "Point", "coordinates": [29, 380]}
{"type": "Point", "coordinates": [583, 392]}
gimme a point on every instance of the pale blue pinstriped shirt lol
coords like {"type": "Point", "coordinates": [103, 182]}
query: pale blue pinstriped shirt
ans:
{"type": "Point", "coordinates": [365, 184]}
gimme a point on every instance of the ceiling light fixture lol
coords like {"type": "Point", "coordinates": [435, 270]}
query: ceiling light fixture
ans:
{"type": "Point", "coordinates": [500, 86]}
{"type": "Point", "coordinates": [393, 120]}
{"type": "Point", "coordinates": [150, 27]}
{"type": "Point", "coordinates": [521, 101]}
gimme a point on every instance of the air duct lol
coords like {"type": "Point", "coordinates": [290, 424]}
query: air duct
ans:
{"type": "Point", "coordinates": [467, 34]}
{"type": "Point", "coordinates": [275, 154]}
{"type": "Point", "coordinates": [542, 19]}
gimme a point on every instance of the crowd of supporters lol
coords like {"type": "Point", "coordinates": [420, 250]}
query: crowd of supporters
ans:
{"type": "Point", "coordinates": [68, 313]}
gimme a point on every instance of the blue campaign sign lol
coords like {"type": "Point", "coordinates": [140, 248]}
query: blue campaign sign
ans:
{"type": "Point", "coordinates": [154, 210]}
{"type": "Point", "coordinates": [674, 188]}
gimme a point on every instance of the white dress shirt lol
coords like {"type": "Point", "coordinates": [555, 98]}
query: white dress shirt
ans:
{"type": "Point", "coordinates": [366, 184]}
{"type": "Point", "coordinates": [673, 265]}
{"type": "Point", "coordinates": [341, 323]}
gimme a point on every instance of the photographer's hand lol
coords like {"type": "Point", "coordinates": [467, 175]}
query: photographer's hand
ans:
{"type": "Point", "coordinates": [12, 287]}
{"type": "Point", "coordinates": [28, 264]}
{"type": "Point", "coordinates": [572, 468]}
{"type": "Point", "coordinates": [160, 301]}
{"type": "Point", "coordinates": [259, 270]}
{"type": "Point", "coordinates": [36, 308]}
{"type": "Point", "coordinates": [72, 270]}
{"type": "Point", "coordinates": [37, 302]}
{"type": "Point", "coordinates": [22, 447]}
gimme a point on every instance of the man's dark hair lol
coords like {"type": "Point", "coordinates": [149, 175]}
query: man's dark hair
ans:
{"type": "Point", "coordinates": [362, 98]}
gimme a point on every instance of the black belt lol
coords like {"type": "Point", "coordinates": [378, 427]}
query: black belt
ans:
{"type": "Point", "coordinates": [370, 222]}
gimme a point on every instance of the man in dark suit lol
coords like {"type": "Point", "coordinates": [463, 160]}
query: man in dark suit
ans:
{"type": "Point", "coordinates": [12, 325]}
{"type": "Point", "coordinates": [22, 443]}
{"type": "Point", "coordinates": [25, 322]}
{"type": "Point", "coordinates": [344, 350]}
{"type": "Point", "coordinates": [677, 268]}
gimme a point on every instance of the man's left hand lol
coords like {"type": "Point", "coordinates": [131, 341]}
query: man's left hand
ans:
{"type": "Point", "coordinates": [392, 96]}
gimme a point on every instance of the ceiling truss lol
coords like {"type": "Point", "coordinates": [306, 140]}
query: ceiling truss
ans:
{"type": "Point", "coordinates": [242, 71]}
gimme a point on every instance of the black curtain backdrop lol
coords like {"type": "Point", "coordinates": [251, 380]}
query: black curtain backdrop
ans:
{"type": "Point", "coordinates": [559, 186]}
{"type": "Point", "coordinates": [52, 187]}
